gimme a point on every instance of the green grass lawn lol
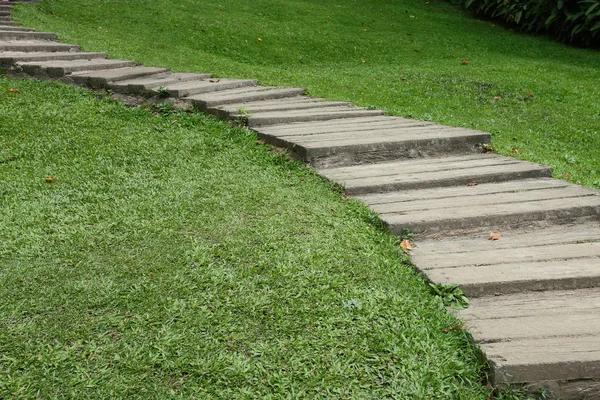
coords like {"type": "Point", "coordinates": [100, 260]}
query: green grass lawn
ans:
{"type": "Point", "coordinates": [171, 256]}
{"type": "Point", "coordinates": [536, 97]}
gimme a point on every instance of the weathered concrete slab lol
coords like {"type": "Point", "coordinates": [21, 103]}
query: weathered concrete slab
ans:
{"type": "Point", "coordinates": [101, 79]}
{"type": "Point", "coordinates": [340, 148]}
{"type": "Point", "coordinates": [212, 100]}
{"type": "Point", "coordinates": [60, 68]}
{"type": "Point", "coordinates": [445, 211]}
{"type": "Point", "coordinates": [14, 28]}
{"type": "Point", "coordinates": [534, 360]}
{"type": "Point", "coordinates": [290, 103]}
{"type": "Point", "coordinates": [11, 35]}
{"type": "Point", "coordinates": [12, 57]}
{"type": "Point", "coordinates": [30, 46]}
{"type": "Point", "coordinates": [153, 83]}
{"type": "Point", "coordinates": [186, 89]}
{"type": "Point", "coordinates": [272, 118]}
{"type": "Point", "coordinates": [426, 173]}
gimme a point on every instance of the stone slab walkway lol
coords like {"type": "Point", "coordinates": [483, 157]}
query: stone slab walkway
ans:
{"type": "Point", "coordinates": [535, 294]}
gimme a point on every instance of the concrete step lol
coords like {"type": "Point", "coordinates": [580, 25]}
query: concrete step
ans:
{"type": "Point", "coordinates": [12, 28]}
{"type": "Point", "coordinates": [104, 78]}
{"type": "Point", "coordinates": [210, 101]}
{"type": "Point", "coordinates": [429, 173]}
{"type": "Point", "coordinates": [60, 68]}
{"type": "Point", "coordinates": [320, 114]}
{"type": "Point", "coordinates": [186, 89]}
{"type": "Point", "coordinates": [548, 339]}
{"type": "Point", "coordinates": [361, 140]}
{"type": "Point", "coordinates": [31, 46]}
{"type": "Point", "coordinates": [4, 12]}
{"type": "Point", "coordinates": [10, 58]}
{"type": "Point", "coordinates": [149, 85]}
{"type": "Point", "coordinates": [484, 267]}
{"type": "Point", "coordinates": [11, 35]}
{"type": "Point", "coordinates": [290, 103]}
{"type": "Point", "coordinates": [491, 206]}
{"type": "Point", "coordinates": [5, 22]}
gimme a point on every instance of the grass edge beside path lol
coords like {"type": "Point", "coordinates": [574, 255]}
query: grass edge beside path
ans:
{"type": "Point", "coordinates": [118, 278]}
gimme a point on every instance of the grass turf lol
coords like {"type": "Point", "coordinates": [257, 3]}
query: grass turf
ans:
{"type": "Point", "coordinates": [146, 256]}
{"type": "Point", "coordinates": [538, 98]}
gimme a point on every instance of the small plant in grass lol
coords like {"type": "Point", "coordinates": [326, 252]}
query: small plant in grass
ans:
{"type": "Point", "coordinates": [243, 111]}
{"type": "Point", "coordinates": [162, 91]}
{"type": "Point", "coordinates": [163, 109]}
{"type": "Point", "coordinates": [406, 235]}
{"type": "Point", "coordinates": [451, 295]}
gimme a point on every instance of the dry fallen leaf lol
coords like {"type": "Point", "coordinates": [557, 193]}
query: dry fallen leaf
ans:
{"type": "Point", "coordinates": [406, 246]}
{"type": "Point", "coordinates": [495, 236]}
{"type": "Point", "coordinates": [259, 39]}
{"type": "Point", "coordinates": [566, 175]}
{"type": "Point", "coordinates": [497, 97]}
{"type": "Point", "coordinates": [516, 151]}
{"type": "Point", "coordinates": [13, 91]}
{"type": "Point", "coordinates": [465, 62]}
{"type": "Point", "coordinates": [49, 179]}
{"type": "Point", "coordinates": [260, 142]}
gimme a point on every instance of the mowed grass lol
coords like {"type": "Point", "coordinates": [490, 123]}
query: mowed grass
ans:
{"type": "Point", "coordinates": [171, 256]}
{"type": "Point", "coordinates": [538, 98]}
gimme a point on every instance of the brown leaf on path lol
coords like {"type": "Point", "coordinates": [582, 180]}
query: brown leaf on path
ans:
{"type": "Point", "coordinates": [495, 236]}
{"type": "Point", "coordinates": [406, 246]}
{"type": "Point", "coordinates": [49, 179]}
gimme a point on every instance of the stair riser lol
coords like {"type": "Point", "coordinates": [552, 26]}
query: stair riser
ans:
{"type": "Point", "coordinates": [207, 89]}
{"type": "Point", "coordinates": [211, 106]}
{"type": "Point", "coordinates": [452, 227]}
{"type": "Point", "coordinates": [59, 72]}
{"type": "Point", "coordinates": [370, 153]}
{"type": "Point", "coordinates": [460, 181]}
{"type": "Point", "coordinates": [33, 48]}
{"type": "Point", "coordinates": [506, 288]}
{"type": "Point", "coordinates": [103, 83]}
{"type": "Point", "coordinates": [8, 61]}
{"type": "Point", "coordinates": [288, 119]}
{"type": "Point", "coordinates": [27, 36]}
{"type": "Point", "coordinates": [143, 90]}
{"type": "Point", "coordinates": [15, 29]}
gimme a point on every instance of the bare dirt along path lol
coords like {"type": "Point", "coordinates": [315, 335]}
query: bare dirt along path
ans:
{"type": "Point", "coordinates": [535, 294]}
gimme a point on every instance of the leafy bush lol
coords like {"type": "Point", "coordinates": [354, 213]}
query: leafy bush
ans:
{"type": "Point", "coordinates": [575, 22]}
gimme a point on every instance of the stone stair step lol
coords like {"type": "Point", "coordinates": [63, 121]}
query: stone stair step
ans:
{"type": "Point", "coordinates": [148, 84]}
{"type": "Point", "coordinates": [10, 58]}
{"type": "Point", "coordinates": [13, 28]}
{"type": "Point", "coordinates": [331, 113]}
{"type": "Point", "coordinates": [11, 35]}
{"type": "Point", "coordinates": [428, 173]}
{"type": "Point", "coordinates": [4, 12]}
{"type": "Point", "coordinates": [211, 101]}
{"type": "Point", "coordinates": [284, 105]}
{"type": "Point", "coordinates": [186, 89]}
{"type": "Point", "coordinates": [341, 142]}
{"type": "Point", "coordinates": [60, 68]}
{"type": "Point", "coordinates": [289, 103]}
{"type": "Point", "coordinates": [103, 78]}
{"type": "Point", "coordinates": [7, 22]}
{"type": "Point", "coordinates": [548, 339]}
{"type": "Point", "coordinates": [558, 258]}
{"type": "Point", "coordinates": [32, 46]}
{"type": "Point", "coordinates": [490, 206]}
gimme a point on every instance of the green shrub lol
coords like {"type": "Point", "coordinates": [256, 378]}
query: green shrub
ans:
{"type": "Point", "coordinates": [575, 22]}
